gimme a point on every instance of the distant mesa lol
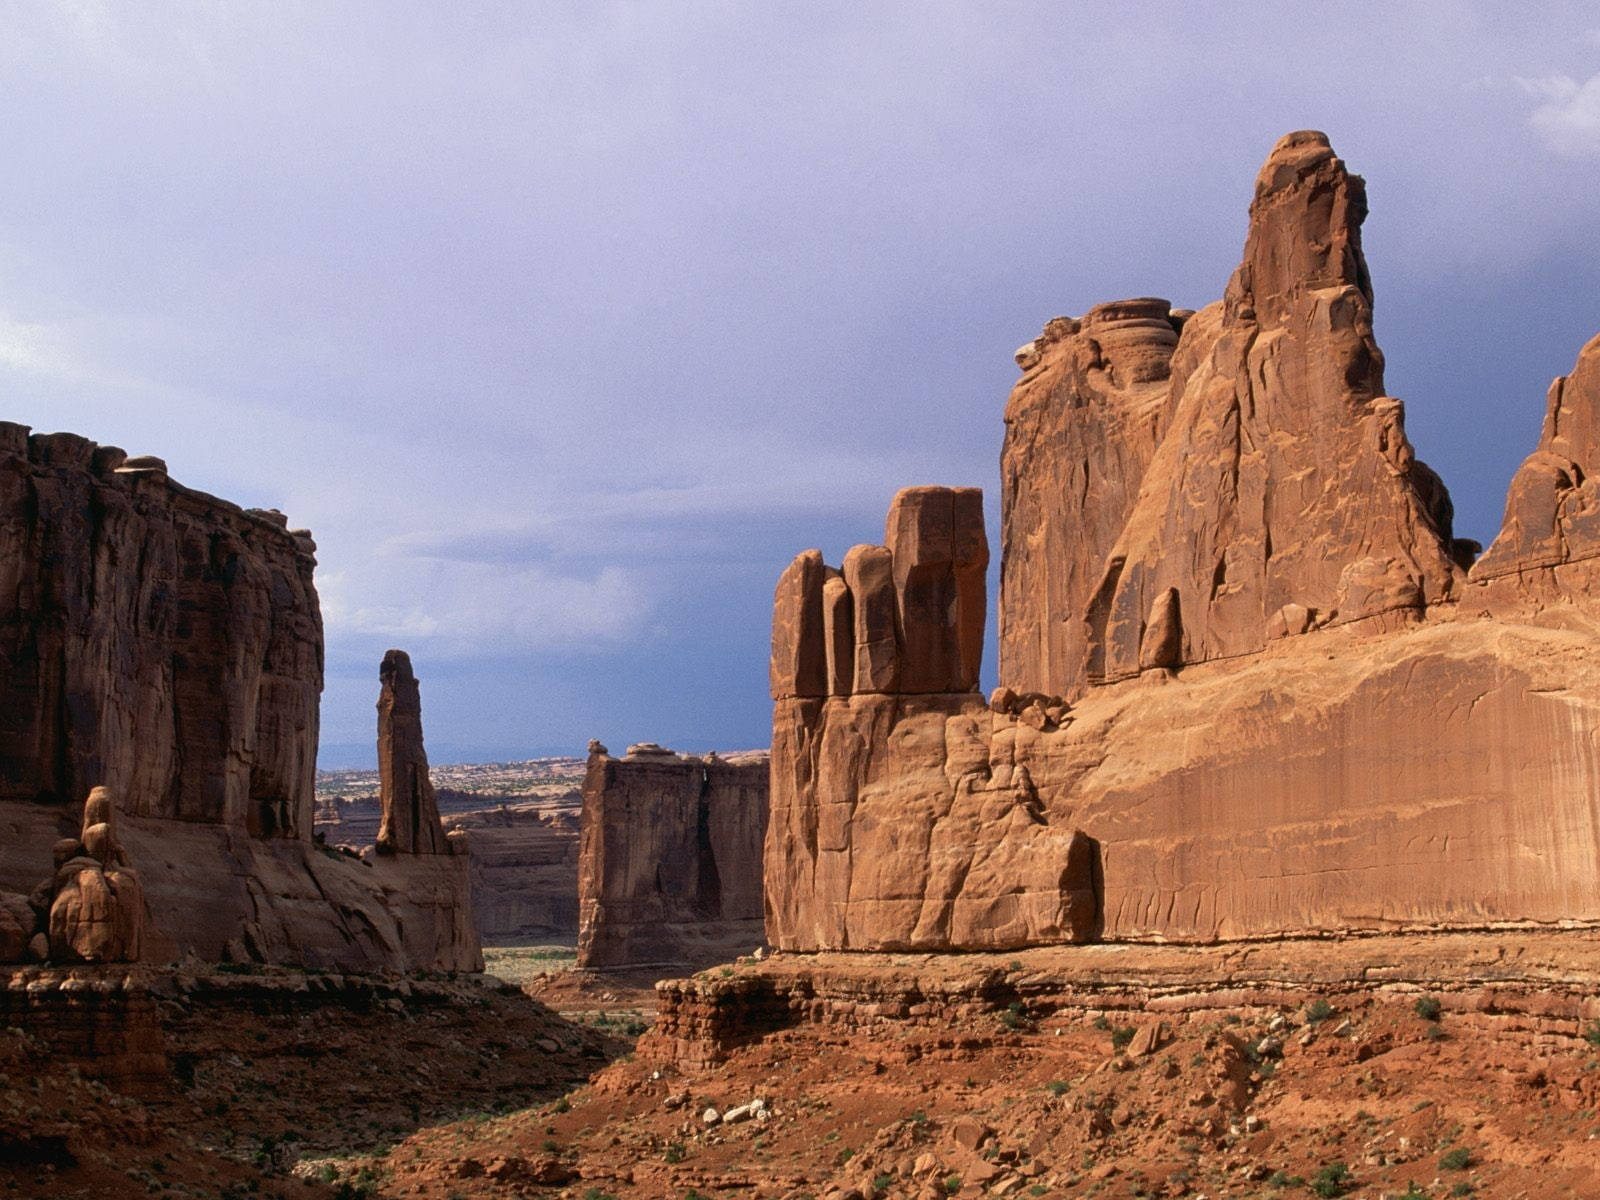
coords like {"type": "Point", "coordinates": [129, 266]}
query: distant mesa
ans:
{"type": "Point", "coordinates": [669, 864]}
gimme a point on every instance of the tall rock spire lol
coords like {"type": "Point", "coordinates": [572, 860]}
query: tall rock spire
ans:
{"type": "Point", "coordinates": [1271, 471]}
{"type": "Point", "coordinates": [410, 820]}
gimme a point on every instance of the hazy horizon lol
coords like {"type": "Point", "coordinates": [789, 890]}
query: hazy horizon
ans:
{"type": "Point", "coordinates": [565, 329]}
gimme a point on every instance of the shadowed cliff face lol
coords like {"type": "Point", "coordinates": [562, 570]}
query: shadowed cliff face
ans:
{"type": "Point", "coordinates": [154, 640]}
{"type": "Point", "coordinates": [1249, 687]}
{"type": "Point", "coordinates": [669, 867]}
{"type": "Point", "coordinates": [167, 646]}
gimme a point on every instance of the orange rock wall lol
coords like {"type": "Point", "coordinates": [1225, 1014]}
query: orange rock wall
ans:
{"type": "Point", "coordinates": [1249, 686]}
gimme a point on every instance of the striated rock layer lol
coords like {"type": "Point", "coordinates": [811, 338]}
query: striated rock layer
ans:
{"type": "Point", "coordinates": [669, 867]}
{"type": "Point", "coordinates": [1249, 686]}
{"type": "Point", "coordinates": [167, 645]}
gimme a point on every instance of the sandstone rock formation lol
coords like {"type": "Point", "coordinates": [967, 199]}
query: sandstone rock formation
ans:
{"type": "Point", "coordinates": [670, 860]}
{"type": "Point", "coordinates": [904, 617]}
{"type": "Point", "coordinates": [865, 848]}
{"type": "Point", "coordinates": [1250, 463]}
{"type": "Point", "coordinates": [167, 645]}
{"type": "Point", "coordinates": [410, 823]}
{"type": "Point", "coordinates": [97, 906]}
{"type": "Point", "coordinates": [1553, 508]}
{"type": "Point", "coordinates": [524, 872]}
{"type": "Point", "coordinates": [1249, 686]}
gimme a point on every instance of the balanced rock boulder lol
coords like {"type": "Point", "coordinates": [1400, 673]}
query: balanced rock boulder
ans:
{"type": "Point", "coordinates": [97, 906]}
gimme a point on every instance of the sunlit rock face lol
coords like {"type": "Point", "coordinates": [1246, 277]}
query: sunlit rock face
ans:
{"type": "Point", "coordinates": [1250, 682]}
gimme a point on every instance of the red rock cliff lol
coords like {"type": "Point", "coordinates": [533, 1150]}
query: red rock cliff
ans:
{"type": "Point", "coordinates": [1248, 686]}
{"type": "Point", "coordinates": [669, 866]}
{"type": "Point", "coordinates": [167, 645]}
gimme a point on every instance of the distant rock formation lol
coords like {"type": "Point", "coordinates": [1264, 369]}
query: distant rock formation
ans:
{"type": "Point", "coordinates": [410, 822]}
{"type": "Point", "coordinates": [1251, 684]}
{"type": "Point", "coordinates": [669, 868]}
{"type": "Point", "coordinates": [524, 871]}
{"type": "Point", "coordinates": [167, 646]}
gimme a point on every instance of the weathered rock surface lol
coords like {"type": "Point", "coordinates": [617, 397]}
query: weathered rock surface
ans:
{"type": "Point", "coordinates": [1553, 508]}
{"type": "Point", "coordinates": [1269, 467]}
{"type": "Point", "coordinates": [860, 857]}
{"type": "Point", "coordinates": [167, 645]}
{"type": "Point", "coordinates": [154, 640]}
{"type": "Point", "coordinates": [410, 822]}
{"type": "Point", "coordinates": [1309, 716]}
{"type": "Point", "coordinates": [670, 860]}
{"type": "Point", "coordinates": [904, 617]}
{"type": "Point", "coordinates": [96, 904]}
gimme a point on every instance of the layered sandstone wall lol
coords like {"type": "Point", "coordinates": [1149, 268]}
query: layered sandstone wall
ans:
{"type": "Point", "coordinates": [167, 645]}
{"type": "Point", "coordinates": [154, 640]}
{"type": "Point", "coordinates": [1249, 686]}
{"type": "Point", "coordinates": [669, 868]}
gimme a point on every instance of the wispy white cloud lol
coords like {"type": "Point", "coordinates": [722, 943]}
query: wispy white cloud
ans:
{"type": "Point", "coordinates": [1568, 116]}
{"type": "Point", "coordinates": [479, 609]}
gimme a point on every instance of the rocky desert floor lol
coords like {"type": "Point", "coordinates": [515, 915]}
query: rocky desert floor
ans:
{"type": "Point", "coordinates": [1429, 1065]}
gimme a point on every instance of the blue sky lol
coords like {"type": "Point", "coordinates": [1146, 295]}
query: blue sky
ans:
{"type": "Point", "coordinates": [564, 326]}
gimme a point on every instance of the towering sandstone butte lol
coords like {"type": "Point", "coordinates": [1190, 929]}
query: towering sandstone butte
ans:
{"type": "Point", "coordinates": [1279, 473]}
{"type": "Point", "coordinates": [167, 645]}
{"type": "Point", "coordinates": [410, 822]}
{"type": "Point", "coordinates": [1248, 687]}
{"type": "Point", "coordinates": [669, 867]}
{"type": "Point", "coordinates": [855, 860]}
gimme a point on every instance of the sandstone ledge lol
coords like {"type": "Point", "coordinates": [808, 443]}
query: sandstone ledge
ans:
{"type": "Point", "coordinates": [1543, 981]}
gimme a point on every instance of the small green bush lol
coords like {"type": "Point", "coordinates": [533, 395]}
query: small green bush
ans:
{"type": "Point", "coordinates": [1428, 1008]}
{"type": "Point", "coordinates": [1057, 1087]}
{"type": "Point", "coordinates": [1458, 1159]}
{"type": "Point", "coordinates": [1332, 1180]}
{"type": "Point", "coordinates": [1122, 1035]}
{"type": "Point", "coordinates": [1318, 1011]}
{"type": "Point", "coordinates": [952, 1185]}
